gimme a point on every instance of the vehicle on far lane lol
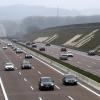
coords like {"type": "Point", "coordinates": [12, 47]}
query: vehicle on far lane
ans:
{"type": "Point", "coordinates": [34, 46]}
{"type": "Point", "coordinates": [26, 64]}
{"type": "Point", "coordinates": [70, 54]}
{"type": "Point", "coordinates": [42, 48]}
{"type": "Point", "coordinates": [48, 44]}
{"type": "Point", "coordinates": [28, 56]}
{"type": "Point", "coordinates": [69, 79]}
{"type": "Point", "coordinates": [63, 56]}
{"type": "Point", "coordinates": [91, 53]}
{"type": "Point", "coordinates": [9, 66]}
{"type": "Point", "coordinates": [46, 83]}
{"type": "Point", "coordinates": [63, 49]}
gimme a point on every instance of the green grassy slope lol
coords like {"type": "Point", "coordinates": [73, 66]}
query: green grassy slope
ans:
{"type": "Point", "coordinates": [65, 33]}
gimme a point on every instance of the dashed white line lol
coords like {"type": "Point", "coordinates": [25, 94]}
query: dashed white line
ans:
{"type": "Point", "coordinates": [39, 72]}
{"type": "Point", "coordinates": [20, 73]}
{"type": "Point", "coordinates": [33, 68]}
{"type": "Point", "coordinates": [40, 98]}
{"type": "Point", "coordinates": [89, 66]}
{"type": "Point", "coordinates": [3, 89]}
{"type": "Point", "coordinates": [78, 62]}
{"type": "Point", "coordinates": [25, 79]}
{"type": "Point", "coordinates": [70, 97]}
{"type": "Point", "coordinates": [97, 94]}
{"type": "Point", "coordinates": [57, 87]}
{"type": "Point", "coordinates": [31, 87]}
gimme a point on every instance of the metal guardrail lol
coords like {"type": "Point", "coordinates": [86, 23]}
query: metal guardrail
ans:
{"type": "Point", "coordinates": [83, 78]}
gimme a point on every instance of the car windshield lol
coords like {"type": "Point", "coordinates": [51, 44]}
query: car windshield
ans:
{"type": "Point", "coordinates": [9, 64]}
{"type": "Point", "coordinates": [46, 79]}
{"type": "Point", "coordinates": [69, 76]}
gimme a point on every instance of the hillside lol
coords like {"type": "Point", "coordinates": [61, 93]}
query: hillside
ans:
{"type": "Point", "coordinates": [80, 36]}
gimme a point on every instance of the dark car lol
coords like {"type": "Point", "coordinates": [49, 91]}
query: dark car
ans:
{"type": "Point", "coordinates": [63, 49]}
{"type": "Point", "coordinates": [28, 56]}
{"type": "Point", "coordinates": [47, 44]}
{"type": "Point", "coordinates": [91, 53]}
{"type": "Point", "coordinates": [46, 83]}
{"type": "Point", "coordinates": [42, 49]}
{"type": "Point", "coordinates": [69, 79]}
{"type": "Point", "coordinates": [34, 46]}
{"type": "Point", "coordinates": [26, 64]}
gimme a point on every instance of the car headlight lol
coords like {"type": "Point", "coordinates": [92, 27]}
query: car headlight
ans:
{"type": "Point", "coordinates": [52, 84]}
{"type": "Point", "coordinates": [42, 84]}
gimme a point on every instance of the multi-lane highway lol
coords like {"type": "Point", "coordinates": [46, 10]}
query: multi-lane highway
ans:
{"type": "Point", "coordinates": [80, 59]}
{"type": "Point", "coordinates": [23, 84]}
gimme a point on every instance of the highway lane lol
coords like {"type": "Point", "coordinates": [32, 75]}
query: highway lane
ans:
{"type": "Point", "coordinates": [61, 92]}
{"type": "Point", "coordinates": [16, 87]}
{"type": "Point", "coordinates": [80, 59]}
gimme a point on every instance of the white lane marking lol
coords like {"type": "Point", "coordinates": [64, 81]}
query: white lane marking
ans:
{"type": "Point", "coordinates": [89, 66]}
{"type": "Point", "coordinates": [15, 67]}
{"type": "Point", "coordinates": [97, 94]}
{"type": "Point", "coordinates": [39, 72]}
{"type": "Point", "coordinates": [78, 62]}
{"type": "Point", "coordinates": [31, 87]}
{"type": "Point", "coordinates": [40, 98]}
{"type": "Point", "coordinates": [20, 73]}
{"type": "Point", "coordinates": [89, 89]}
{"type": "Point", "coordinates": [57, 87]}
{"type": "Point", "coordinates": [70, 97]}
{"type": "Point", "coordinates": [33, 68]}
{"type": "Point", "coordinates": [25, 79]}
{"type": "Point", "coordinates": [94, 62]}
{"type": "Point", "coordinates": [3, 89]}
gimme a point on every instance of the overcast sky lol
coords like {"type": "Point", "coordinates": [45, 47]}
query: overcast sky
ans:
{"type": "Point", "coordinates": [68, 4]}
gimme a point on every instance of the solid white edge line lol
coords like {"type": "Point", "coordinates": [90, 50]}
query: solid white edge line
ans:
{"type": "Point", "coordinates": [63, 74]}
{"type": "Point", "coordinates": [70, 97]}
{"type": "Point", "coordinates": [3, 89]}
{"type": "Point", "coordinates": [57, 87]}
{"type": "Point", "coordinates": [40, 98]}
{"type": "Point", "coordinates": [89, 89]}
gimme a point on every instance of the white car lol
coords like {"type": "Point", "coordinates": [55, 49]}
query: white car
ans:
{"type": "Point", "coordinates": [9, 66]}
{"type": "Point", "coordinates": [70, 54]}
{"type": "Point", "coordinates": [63, 56]}
{"type": "Point", "coordinates": [4, 47]}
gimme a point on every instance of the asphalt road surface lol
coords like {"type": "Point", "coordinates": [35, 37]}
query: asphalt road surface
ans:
{"type": "Point", "coordinates": [23, 84]}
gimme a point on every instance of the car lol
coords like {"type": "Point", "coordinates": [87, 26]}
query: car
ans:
{"type": "Point", "coordinates": [28, 43]}
{"type": "Point", "coordinates": [9, 66]}
{"type": "Point", "coordinates": [70, 54]}
{"type": "Point", "coordinates": [19, 50]}
{"type": "Point", "coordinates": [47, 44]}
{"type": "Point", "coordinates": [46, 83]}
{"type": "Point", "coordinates": [4, 47]}
{"type": "Point", "coordinates": [91, 53]}
{"type": "Point", "coordinates": [9, 44]}
{"type": "Point", "coordinates": [34, 46]}
{"type": "Point", "coordinates": [42, 48]}
{"type": "Point", "coordinates": [63, 56]}
{"type": "Point", "coordinates": [69, 79]}
{"type": "Point", "coordinates": [28, 56]}
{"type": "Point", "coordinates": [63, 49]}
{"type": "Point", "coordinates": [26, 64]}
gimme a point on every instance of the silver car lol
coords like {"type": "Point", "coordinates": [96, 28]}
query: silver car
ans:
{"type": "Point", "coordinates": [9, 66]}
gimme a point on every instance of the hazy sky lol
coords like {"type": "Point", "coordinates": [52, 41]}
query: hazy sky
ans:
{"type": "Point", "coordinates": [68, 4]}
